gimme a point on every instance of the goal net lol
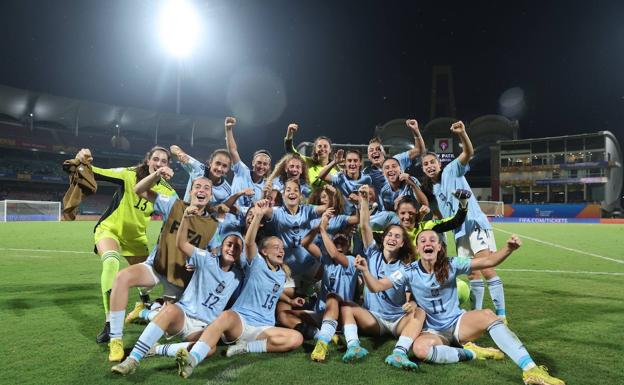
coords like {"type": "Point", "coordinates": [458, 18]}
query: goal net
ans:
{"type": "Point", "coordinates": [15, 210]}
{"type": "Point", "coordinates": [492, 208]}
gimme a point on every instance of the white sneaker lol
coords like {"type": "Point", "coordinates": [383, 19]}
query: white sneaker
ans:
{"type": "Point", "coordinates": [238, 348]}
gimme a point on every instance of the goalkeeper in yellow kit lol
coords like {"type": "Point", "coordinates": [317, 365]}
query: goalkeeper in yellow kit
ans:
{"type": "Point", "coordinates": [121, 231]}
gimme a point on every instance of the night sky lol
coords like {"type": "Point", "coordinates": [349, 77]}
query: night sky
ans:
{"type": "Point", "coordinates": [340, 67]}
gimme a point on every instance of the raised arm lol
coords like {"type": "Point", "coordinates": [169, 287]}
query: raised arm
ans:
{"type": "Point", "coordinates": [229, 139]}
{"type": "Point", "coordinates": [419, 143]}
{"type": "Point", "coordinates": [496, 258]}
{"type": "Point", "coordinates": [143, 188]}
{"type": "Point", "coordinates": [328, 242]}
{"type": "Point", "coordinates": [420, 195]}
{"type": "Point", "coordinates": [252, 231]}
{"type": "Point", "coordinates": [324, 173]}
{"type": "Point", "coordinates": [288, 140]}
{"type": "Point", "coordinates": [308, 242]}
{"type": "Point", "coordinates": [467, 150]}
{"type": "Point", "coordinates": [234, 197]}
{"type": "Point", "coordinates": [182, 238]}
{"type": "Point", "coordinates": [373, 284]}
{"type": "Point", "coordinates": [365, 227]}
{"type": "Point", "coordinates": [448, 224]}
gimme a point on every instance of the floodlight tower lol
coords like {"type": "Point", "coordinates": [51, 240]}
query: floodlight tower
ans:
{"type": "Point", "coordinates": [179, 30]}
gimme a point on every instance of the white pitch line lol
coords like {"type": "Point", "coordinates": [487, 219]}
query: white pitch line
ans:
{"type": "Point", "coordinates": [560, 271]}
{"type": "Point", "coordinates": [563, 247]}
{"type": "Point", "coordinates": [50, 251]}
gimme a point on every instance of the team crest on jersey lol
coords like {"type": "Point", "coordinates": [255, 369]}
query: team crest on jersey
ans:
{"type": "Point", "coordinates": [221, 287]}
{"type": "Point", "coordinates": [435, 292]}
{"type": "Point", "coordinates": [276, 288]}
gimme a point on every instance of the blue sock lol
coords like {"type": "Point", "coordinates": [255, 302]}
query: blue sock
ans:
{"type": "Point", "coordinates": [351, 335]}
{"type": "Point", "coordinates": [143, 314]}
{"type": "Point", "coordinates": [199, 352]}
{"type": "Point", "coordinates": [498, 294]}
{"type": "Point", "coordinates": [328, 329]}
{"type": "Point", "coordinates": [509, 343]}
{"type": "Point", "coordinates": [477, 291]}
{"type": "Point", "coordinates": [116, 323]}
{"type": "Point", "coordinates": [258, 346]}
{"type": "Point", "coordinates": [442, 354]}
{"type": "Point", "coordinates": [148, 338]}
{"type": "Point", "coordinates": [403, 345]}
{"type": "Point", "coordinates": [170, 350]}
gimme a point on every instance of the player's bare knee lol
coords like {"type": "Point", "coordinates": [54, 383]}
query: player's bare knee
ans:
{"type": "Point", "coordinates": [488, 315]}
{"type": "Point", "coordinates": [295, 340]}
{"type": "Point", "coordinates": [420, 350]}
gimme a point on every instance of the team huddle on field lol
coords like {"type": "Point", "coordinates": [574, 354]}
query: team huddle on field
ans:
{"type": "Point", "coordinates": [297, 251]}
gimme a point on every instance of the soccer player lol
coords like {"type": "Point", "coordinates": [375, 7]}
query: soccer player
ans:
{"type": "Point", "coordinates": [383, 313]}
{"type": "Point", "coordinates": [291, 166]}
{"type": "Point", "coordinates": [165, 264]}
{"type": "Point", "coordinates": [322, 150]}
{"type": "Point", "coordinates": [121, 229]}
{"type": "Point", "coordinates": [218, 167]}
{"type": "Point", "coordinates": [250, 323]}
{"type": "Point", "coordinates": [475, 237]}
{"type": "Point", "coordinates": [214, 281]}
{"type": "Point", "coordinates": [398, 184]}
{"type": "Point", "coordinates": [244, 177]}
{"type": "Point", "coordinates": [447, 327]}
{"type": "Point", "coordinates": [377, 156]}
{"type": "Point", "coordinates": [349, 181]}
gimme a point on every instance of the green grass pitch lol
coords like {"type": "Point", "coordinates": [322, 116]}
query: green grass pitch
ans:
{"type": "Point", "coordinates": [564, 301]}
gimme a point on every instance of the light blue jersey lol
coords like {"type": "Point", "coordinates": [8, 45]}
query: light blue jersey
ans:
{"type": "Point", "coordinates": [210, 289]}
{"type": "Point", "coordinates": [387, 195]}
{"type": "Point", "coordinates": [377, 176]}
{"type": "Point", "coordinates": [242, 180]}
{"type": "Point", "coordinates": [256, 302]}
{"type": "Point", "coordinates": [230, 223]}
{"type": "Point", "coordinates": [335, 224]}
{"type": "Point", "coordinates": [452, 178]}
{"type": "Point", "coordinates": [291, 229]}
{"type": "Point", "coordinates": [336, 279]}
{"type": "Point", "coordinates": [440, 302]}
{"type": "Point", "coordinates": [306, 190]}
{"type": "Point", "coordinates": [386, 304]}
{"type": "Point", "coordinates": [162, 206]}
{"type": "Point", "coordinates": [347, 186]}
{"type": "Point", "coordinates": [220, 192]}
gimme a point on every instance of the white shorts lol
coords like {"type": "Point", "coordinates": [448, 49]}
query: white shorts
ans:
{"type": "Point", "coordinates": [477, 240]}
{"type": "Point", "coordinates": [191, 325]}
{"type": "Point", "coordinates": [387, 326]}
{"type": "Point", "coordinates": [169, 290]}
{"type": "Point", "coordinates": [450, 335]}
{"type": "Point", "coordinates": [250, 333]}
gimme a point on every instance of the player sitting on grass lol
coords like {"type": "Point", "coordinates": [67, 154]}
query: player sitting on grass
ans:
{"type": "Point", "coordinates": [165, 264]}
{"type": "Point", "coordinates": [432, 281]}
{"type": "Point", "coordinates": [251, 321]}
{"type": "Point", "coordinates": [215, 280]}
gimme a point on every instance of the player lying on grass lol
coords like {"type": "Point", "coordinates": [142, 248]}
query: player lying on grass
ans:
{"type": "Point", "coordinates": [250, 323]}
{"type": "Point", "coordinates": [432, 282]}
{"type": "Point", "coordinates": [122, 228]}
{"type": "Point", "coordinates": [475, 237]}
{"type": "Point", "coordinates": [387, 313]}
{"type": "Point", "coordinates": [214, 281]}
{"type": "Point", "coordinates": [165, 264]}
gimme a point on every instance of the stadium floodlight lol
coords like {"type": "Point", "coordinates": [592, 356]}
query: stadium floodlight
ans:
{"type": "Point", "coordinates": [179, 27]}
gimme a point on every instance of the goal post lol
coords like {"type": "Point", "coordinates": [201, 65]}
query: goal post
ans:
{"type": "Point", "coordinates": [492, 208]}
{"type": "Point", "coordinates": [18, 210]}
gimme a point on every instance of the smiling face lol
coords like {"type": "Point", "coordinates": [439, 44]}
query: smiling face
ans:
{"type": "Point", "coordinates": [376, 154]}
{"type": "Point", "coordinates": [273, 249]}
{"type": "Point", "coordinates": [407, 215]}
{"type": "Point", "coordinates": [353, 164]}
{"type": "Point", "coordinates": [391, 170]}
{"type": "Point", "coordinates": [291, 194]}
{"type": "Point", "coordinates": [157, 160]}
{"type": "Point", "coordinates": [294, 168]}
{"type": "Point", "coordinates": [393, 240]}
{"type": "Point", "coordinates": [219, 165]}
{"type": "Point", "coordinates": [322, 148]}
{"type": "Point", "coordinates": [201, 191]}
{"type": "Point", "coordinates": [261, 165]}
{"type": "Point", "coordinates": [231, 249]}
{"type": "Point", "coordinates": [431, 165]}
{"type": "Point", "coordinates": [428, 245]}
{"type": "Point", "coordinates": [342, 243]}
